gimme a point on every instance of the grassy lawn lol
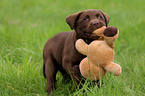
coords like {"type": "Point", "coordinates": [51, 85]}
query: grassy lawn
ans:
{"type": "Point", "coordinates": [25, 26]}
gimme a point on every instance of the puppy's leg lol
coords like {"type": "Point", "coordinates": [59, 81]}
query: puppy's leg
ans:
{"type": "Point", "coordinates": [74, 75]}
{"type": "Point", "coordinates": [50, 71]}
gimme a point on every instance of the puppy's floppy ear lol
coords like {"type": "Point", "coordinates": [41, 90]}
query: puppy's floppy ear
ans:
{"type": "Point", "coordinates": [72, 18]}
{"type": "Point", "coordinates": [106, 16]}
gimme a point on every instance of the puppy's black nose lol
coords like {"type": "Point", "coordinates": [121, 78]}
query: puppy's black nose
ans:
{"type": "Point", "coordinates": [95, 23]}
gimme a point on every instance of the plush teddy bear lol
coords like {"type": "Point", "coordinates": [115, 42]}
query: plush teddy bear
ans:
{"type": "Point", "coordinates": [100, 54]}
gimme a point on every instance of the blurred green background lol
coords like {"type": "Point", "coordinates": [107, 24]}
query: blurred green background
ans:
{"type": "Point", "coordinates": [25, 26]}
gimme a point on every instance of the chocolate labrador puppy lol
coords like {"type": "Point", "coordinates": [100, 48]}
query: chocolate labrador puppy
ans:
{"type": "Point", "coordinates": [60, 54]}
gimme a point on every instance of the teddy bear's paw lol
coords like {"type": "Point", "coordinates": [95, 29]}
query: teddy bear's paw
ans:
{"type": "Point", "coordinates": [81, 46]}
{"type": "Point", "coordinates": [113, 68]}
{"type": "Point", "coordinates": [79, 41]}
{"type": "Point", "coordinates": [110, 31]}
{"type": "Point", "coordinates": [118, 70]}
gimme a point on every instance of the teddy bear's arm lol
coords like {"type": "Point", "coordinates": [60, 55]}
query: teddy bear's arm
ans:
{"type": "Point", "coordinates": [113, 68]}
{"type": "Point", "coordinates": [81, 46]}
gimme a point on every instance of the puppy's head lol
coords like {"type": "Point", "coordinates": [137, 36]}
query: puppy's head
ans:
{"type": "Point", "coordinates": [85, 22]}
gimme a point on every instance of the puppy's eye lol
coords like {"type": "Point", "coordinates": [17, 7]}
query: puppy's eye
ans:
{"type": "Point", "coordinates": [99, 17]}
{"type": "Point", "coordinates": [86, 18]}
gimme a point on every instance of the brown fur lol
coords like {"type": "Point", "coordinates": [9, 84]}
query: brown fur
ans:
{"type": "Point", "coordinates": [60, 54]}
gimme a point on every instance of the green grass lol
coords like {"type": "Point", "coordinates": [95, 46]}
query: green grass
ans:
{"type": "Point", "coordinates": [25, 26]}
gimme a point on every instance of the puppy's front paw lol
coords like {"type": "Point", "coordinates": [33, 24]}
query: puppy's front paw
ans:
{"type": "Point", "coordinates": [76, 69]}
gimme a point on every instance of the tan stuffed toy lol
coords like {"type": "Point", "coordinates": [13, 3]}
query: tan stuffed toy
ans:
{"type": "Point", "coordinates": [100, 54]}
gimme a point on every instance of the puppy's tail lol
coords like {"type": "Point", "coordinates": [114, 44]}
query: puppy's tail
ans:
{"type": "Point", "coordinates": [44, 70]}
{"type": "Point", "coordinates": [44, 61]}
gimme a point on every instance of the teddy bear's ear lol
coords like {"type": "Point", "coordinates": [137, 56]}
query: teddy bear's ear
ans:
{"type": "Point", "coordinates": [106, 16]}
{"type": "Point", "coordinates": [71, 19]}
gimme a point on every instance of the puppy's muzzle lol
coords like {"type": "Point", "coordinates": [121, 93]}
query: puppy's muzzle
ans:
{"type": "Point", "coordinates": [95, 23]}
